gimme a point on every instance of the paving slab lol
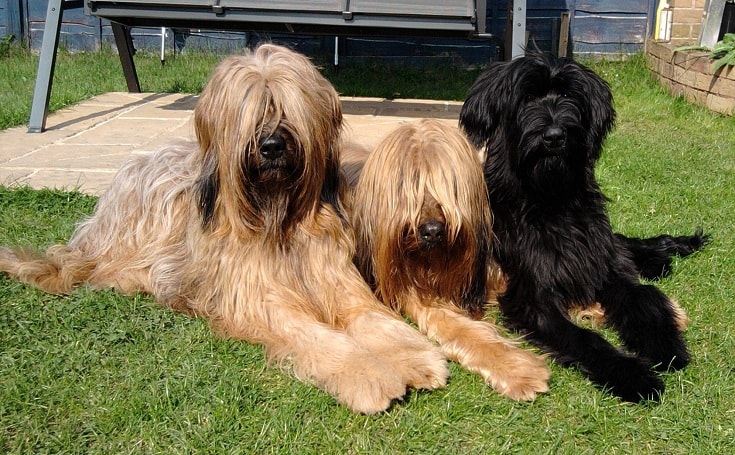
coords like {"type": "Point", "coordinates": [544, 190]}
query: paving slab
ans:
{"type": "Point", "coordinates": [85, 144]}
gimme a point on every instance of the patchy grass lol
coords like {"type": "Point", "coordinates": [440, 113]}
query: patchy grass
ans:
{"type": "Point", "coordinates": [189, 72]}
{"type": "Point", "coordinates": [79, 76]}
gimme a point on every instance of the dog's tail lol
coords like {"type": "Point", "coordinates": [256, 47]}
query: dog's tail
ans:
{"type": "Point", "coordinates": [652, 256]}
{"type": "Point", "coordinates": [57, 271]}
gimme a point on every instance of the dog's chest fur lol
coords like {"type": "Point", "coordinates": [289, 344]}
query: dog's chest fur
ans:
{"type": "Point", "coordinates": [567, 251]}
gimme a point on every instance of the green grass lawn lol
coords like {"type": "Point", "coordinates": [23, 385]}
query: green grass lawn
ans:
{"type": "Point", "coordinates": [82, 75]}
{"type": "Point", "coordinates": [97, 372]}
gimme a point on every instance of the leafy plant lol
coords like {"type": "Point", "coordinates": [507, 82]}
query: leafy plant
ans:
{"type": "Point", "coordinates": [723, 52]}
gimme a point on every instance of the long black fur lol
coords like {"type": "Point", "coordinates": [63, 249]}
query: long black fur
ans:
{"type": "Point", "coordinates": [542, 121]}
{"type": "Point", "coordinates": [474, 299]}
{"type": "Point", "coordinates": [653, 256]}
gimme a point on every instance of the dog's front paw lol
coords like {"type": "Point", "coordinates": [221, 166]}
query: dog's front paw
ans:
{"type": "Point", "coordinates": [365, 384]}
{"type": "Point", "coordinates": [651, 327]}
{"type": "Point", "coordinates": [421, 364]}
{"type": "Point", "coordinates": [675, 358]}
{"type": "Point", "coordinates": [524, 376]}
{"type": "Point", "coordinates": [424, 369]}
{"type": "Point", "coordinates": [631, 380]}
{"type": "Point", "coordinates": [665, 351]}
{"type": "Point", "coordinates": [403, 349]}
{"type": "Point", "coordinates": [511, 371]}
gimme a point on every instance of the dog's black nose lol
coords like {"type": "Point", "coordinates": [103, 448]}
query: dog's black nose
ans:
{"type": "Point", "coordinates": [554, 137]}
{"type": "Point", "coordinates": [431, 232]}
{"type": "Point", "coordinates": [273, 147]}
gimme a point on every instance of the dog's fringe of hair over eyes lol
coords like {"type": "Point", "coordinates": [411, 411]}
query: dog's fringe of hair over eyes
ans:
{"type": "Point", "coordinates": [493, 102]}
{"type": "Point", "coordinates": [405, 188]}
{"type": "Point", "coordinates": [227, 121]}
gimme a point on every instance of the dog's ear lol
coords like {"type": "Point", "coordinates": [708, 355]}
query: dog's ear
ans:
{"type": "Point", "coordinates": [330, 193]}
{"type": "Point", "coordinates": [601, 113]}
{"type": "Point", "coordinates": [485, 104]}
{"type": "Point", "coordinates": [474, 298]}
{"type": "Point", "coordinates": [330, 187]}
{"type": "Point", "coordinates": [207, 188]}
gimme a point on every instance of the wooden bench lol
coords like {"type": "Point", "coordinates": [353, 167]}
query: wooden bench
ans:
{"type": "Point", "coordinates": [435, 18]}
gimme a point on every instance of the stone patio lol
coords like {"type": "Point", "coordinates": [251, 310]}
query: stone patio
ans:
{"type": "Point", "coordinates": [86, 143]}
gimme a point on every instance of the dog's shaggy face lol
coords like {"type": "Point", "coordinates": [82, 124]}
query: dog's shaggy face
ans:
{"type": "Point", "coordinates": [423, 214]}
{"type": "Point", "coordinates": [274, 147]}
{"type": "Point", "coordinates": [550, 115]}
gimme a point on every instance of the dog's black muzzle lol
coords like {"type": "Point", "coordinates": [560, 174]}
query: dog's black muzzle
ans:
{"type": "Point", "coordinates": [554, 138]}
{"type": "Point", "coordinates": [431, 233]}
{"type": "Point", "coordinates": [276, 159]}
{"type": "Point", "coordinates": [273, 147]}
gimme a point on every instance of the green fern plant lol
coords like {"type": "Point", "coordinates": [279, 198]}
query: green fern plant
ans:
{"type": "Point", "coordinates": [723, 52]}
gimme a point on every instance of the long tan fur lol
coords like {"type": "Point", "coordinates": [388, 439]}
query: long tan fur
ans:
{"type": "Point", "coordinates": [423, 180]}
{"type": "Point", "coordinates": [247, 229]}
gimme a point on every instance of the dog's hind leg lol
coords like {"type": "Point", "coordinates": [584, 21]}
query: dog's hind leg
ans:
{"type": "Point", "coordinates": [477, 346]}
{"type": "Point", "coordinates": [647, 322]}
{"type": "Point", "coordinates": [547, 326]}
{"type": "Point", "coordinates": [594, 315]}
{"type": "Point", "coordinates": [652, 256]}
{"type": "Point", "coordinates": [57, 271]}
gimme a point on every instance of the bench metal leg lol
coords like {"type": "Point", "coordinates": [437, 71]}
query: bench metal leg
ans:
{"type": "Point", "coordinates": [518, 31]}
{"type": "Point", "coordinates": [125, 50]}
{"type": "Point", "coordinates": [46, 62]}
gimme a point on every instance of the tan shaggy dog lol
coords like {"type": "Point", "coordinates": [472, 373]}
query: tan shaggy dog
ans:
{"type": "Point", "coordinates": [423, 225]}
{"type": "Point", "coordinates": [247, 229]}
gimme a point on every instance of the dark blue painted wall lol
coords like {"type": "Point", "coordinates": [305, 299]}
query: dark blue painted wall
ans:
{"type": "Point", "coordinates": [610, 26]}
{"type": "Point", "coordinates": [10, 18]}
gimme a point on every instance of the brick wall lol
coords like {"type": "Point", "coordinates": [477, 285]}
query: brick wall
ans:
{"type": "Point", "coordinates": [689, 74]}
{"type": "Point", "coordinates": [687, 21]}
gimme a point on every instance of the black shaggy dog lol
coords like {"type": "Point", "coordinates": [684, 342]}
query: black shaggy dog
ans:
{"type": "Point", "coordinates": [541, 122]}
